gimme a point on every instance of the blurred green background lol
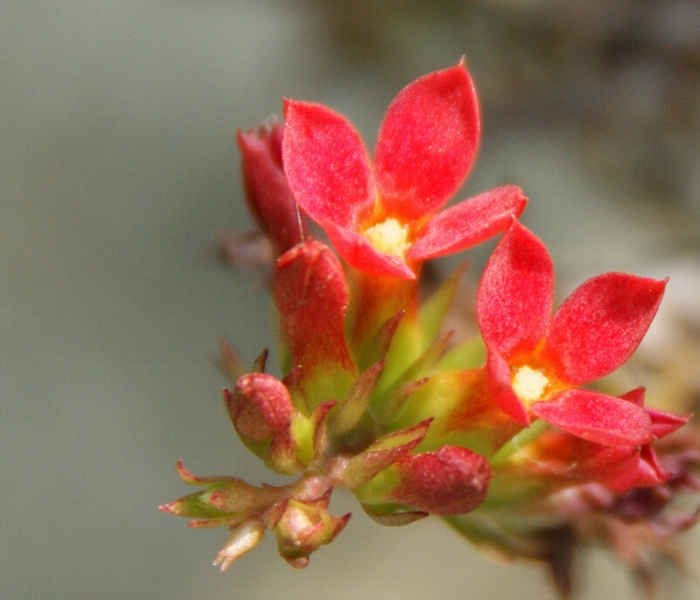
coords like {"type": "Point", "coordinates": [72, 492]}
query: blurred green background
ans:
{"type": "Point", "coordinates": [118, 169]}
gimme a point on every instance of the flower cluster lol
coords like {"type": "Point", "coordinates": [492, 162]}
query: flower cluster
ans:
{"type": "Point", "coordinates": [510, 437]}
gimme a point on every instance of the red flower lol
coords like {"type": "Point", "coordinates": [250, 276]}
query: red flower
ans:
{"type": "Point", "coordinates": [381, 219]}
{"type": "Point", "coordinates": [560, 457]}
{"type": "Point", "coordinates": [536, 361]}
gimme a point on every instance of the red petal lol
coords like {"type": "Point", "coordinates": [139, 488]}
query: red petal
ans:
{"type": "Point", "coordinates": [427, 142]}
{"type": "Point", "coordinates": [616, 467]}
{"type": "Point", "coordinates": [559, 454]}
{"type": "Point", "coordinates": [635, 396]}
{"type": "Point", "coordinates": [651, 472]}
{"type": "Point", "coordinates": [515, 293]}
{"type": "Point", "coordinates": [326, 164]}
{"type": "Point", "coordinates": [360, 254]}
{"type": "Point", "coordinates": [601, 324]}
{"type": "Point", "coordinates": [596, 417]}
{"type": "Point", "coordinates": [499, 387]}
{"type": "Point", "coordinates": [664, 423]}
{"type": "Point", "coordinates": [469, 223]}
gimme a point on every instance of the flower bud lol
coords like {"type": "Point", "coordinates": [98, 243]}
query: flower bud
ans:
{"type": "Point", "coordinates": [259, 406]}
{"type": "Point", "coordinates": [304, 527]}
{"type": "Point", "coordinates": [245, 537]}
{"type": "Point", "coordinates": [225, 501]}
{"type": "Point", "coordinates": [311, 294]}
{"type": "Point", "coordinates": [449, 481]}
{"type": "Point", "coordinates": [261, 410]}
{"type": "Point", "coordinates": [266, 191]}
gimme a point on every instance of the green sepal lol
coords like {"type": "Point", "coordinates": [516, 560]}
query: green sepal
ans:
{"type": "Point", "coordinates": [348, 413]}
{"type": "Point", "coordinates": [432, 312]}
{"type": "Point", "coordinates": [421, 367]}
{"type": "Point", "coordinates": [308, 434]}
{"type": "Point", "coordinates": [367, 465]}
{"type": "Point", "coordinates": [194, 506]}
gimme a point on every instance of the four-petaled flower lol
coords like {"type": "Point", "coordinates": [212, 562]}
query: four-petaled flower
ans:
{"type": "Point", "coordinates": [536, 362]}
{"type": "Point", "coordinates": [382, 219]}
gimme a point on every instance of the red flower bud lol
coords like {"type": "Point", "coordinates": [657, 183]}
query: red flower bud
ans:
{"type": "Point", "coordinates": [311, 294]}
{"type": "Point", "coordinates": [450, 481]}
{"type": "Point", "coordinates": [304, 527]}
{"type": "Point", "coordinates": [267, 194]}
{"type": "Point", "coordinates": [259, 406]}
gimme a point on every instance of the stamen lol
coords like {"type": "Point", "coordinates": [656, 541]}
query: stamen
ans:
{"type": "Point", "coordinates": [529, 384]}
{"type": "Point", "coordinates": [389, 236]}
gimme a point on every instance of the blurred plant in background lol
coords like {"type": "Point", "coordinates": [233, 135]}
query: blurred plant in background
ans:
{"type": "Point", "coordinates": [512, 436]}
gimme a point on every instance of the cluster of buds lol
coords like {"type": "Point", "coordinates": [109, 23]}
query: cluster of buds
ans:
{"type": "Point", "coordinates": [508, 436]}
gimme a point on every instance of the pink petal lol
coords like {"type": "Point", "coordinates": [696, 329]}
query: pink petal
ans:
{"type": "Point", "coordinates": [427, 142]}
{"type": "Point", "coordinates": [360, 254]}
{"type": "Point", "coordinates": [500, 390]}
{"type": "Point", "coordinates": [469, 223]}
{"type": "Point", "coordinates": [515, 293]}
{"type": "Point", "coordinates": [596, 417]}
{"type": "Point", "coordinates": [326, 165]}
{"type": "Point", "coordinates": [601, 324]}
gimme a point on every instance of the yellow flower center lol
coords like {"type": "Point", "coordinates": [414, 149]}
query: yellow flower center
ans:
{"type": "Point", "coordinates": [389, 236]}
{"type": "Point", "coordinates": [529, 384]}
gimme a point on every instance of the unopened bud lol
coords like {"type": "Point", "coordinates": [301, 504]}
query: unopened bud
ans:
{"type": "Point", "coordinates": [245, 537]}
{"type": "Point", "coordinates": [303, 528]}
{"type": "Point", "coordinates": [449, 481]}
{"type": "Point", "coordinates": [267, 193]}
{"type": "Point", "coordinates": [311, 293]}
{"type": "Point", "coordinates": [259, 406]}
